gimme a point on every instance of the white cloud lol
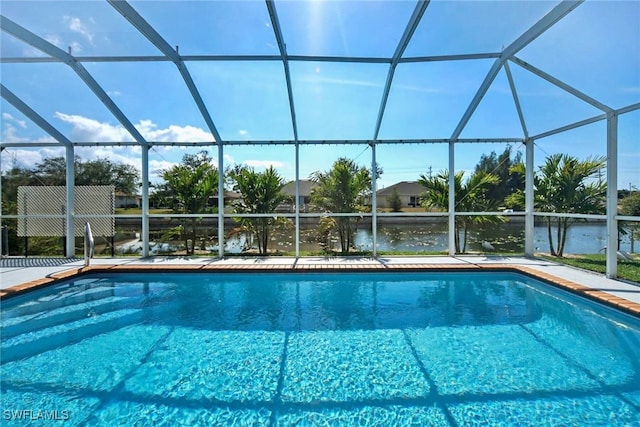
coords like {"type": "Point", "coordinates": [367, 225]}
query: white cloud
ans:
{"type": "Point", "coordinates": [10, 134]}
{"type": "Point", "coordinates": [75, 48]}
{"type": "Point", "coordinates": [157, 166]}
{"type": "Point", "coordinates": [75, 24]}
{"type": "Point", "coordinates": [28, 158]}
{"type": "Point", "coordinates": [318, 79]}
{"type": "Point", "coordinates": [263, 163]}
{"type": "Point", "coordinates": [90, 130]}
{"type": "Point", "coordinates": [416, 88]}
{"type": "Point", "coordinates": [173, 133]}
{"type": "Point", "coordinates": [8, 117]}
{"type": "Point", "coordinates": [53, 39]}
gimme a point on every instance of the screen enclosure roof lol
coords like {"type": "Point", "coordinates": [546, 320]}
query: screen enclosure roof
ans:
{"type": "Point", "coordinates": [280, 72]}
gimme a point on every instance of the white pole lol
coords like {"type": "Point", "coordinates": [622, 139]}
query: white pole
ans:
{"type": "Point", "coordinates": [529, 219]}
{"type": "Point", "coordinates": [374, 199]}
{"type": "Point", "coordinates": [145, 201]}
{"type": "Point", "coordinates": [70, 246]}
{"type": "Point", "coordinates": [612, 195]}
{"type": "Point", "coordinates": [297, 198]}
{"type": "Point", "coordinates": [220, 201]}
{"type": "Point", "coordinates": [452, 199]}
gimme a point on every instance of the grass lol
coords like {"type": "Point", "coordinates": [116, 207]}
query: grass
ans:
{"type": "Point", "coordinates": [627, 269]}
{"type": "Point", "coordinates": [138, 211]}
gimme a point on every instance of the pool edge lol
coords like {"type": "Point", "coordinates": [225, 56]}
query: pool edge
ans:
{"type": "Point", "coordinates": [567, 285]}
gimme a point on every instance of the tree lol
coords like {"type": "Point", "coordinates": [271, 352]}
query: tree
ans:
{"type": "Point", "coordinates": [52, 171]}
{"type": "Point", "coordinates": [261, 194]}
{"type": "Point", "coordinates": [192, 183]}
{"type": "Point", "coordinates": [101, 171]}
{"type": "Point", "coordinates": [630, 206]}
{"type": "Point", "coordinates": [501, 166]}
{"type": "Point", "coordinates": [471, 195]}
{"type": "Point", "coordinates": [394, 201]}
{"type": "Point", "coordinates": [345, 189]}
{"type": "Point", "coordinates": [123, 177]}
{"type": "Point", "coordinates": [564, 184]}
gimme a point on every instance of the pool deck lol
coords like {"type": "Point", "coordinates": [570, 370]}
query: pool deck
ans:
{"type": "Point", "coordinates": [18, 275]}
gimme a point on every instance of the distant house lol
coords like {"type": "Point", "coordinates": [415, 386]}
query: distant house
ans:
{"type": "Point", "coordinates": [304, 199]}
{"type": "Point", "coordinates": [123, 200]}
{"type": "Point", "coordinates": [229, 198]}
{"type": "Point", "coordinates": [408, 191]}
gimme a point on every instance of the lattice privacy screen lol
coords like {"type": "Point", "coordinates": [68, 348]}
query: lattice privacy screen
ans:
{"type": "Point", "coordinates": [37, 205]}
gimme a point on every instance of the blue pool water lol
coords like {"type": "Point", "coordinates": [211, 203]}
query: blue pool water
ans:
{"type": "Point", "coordinates": [437, 349]}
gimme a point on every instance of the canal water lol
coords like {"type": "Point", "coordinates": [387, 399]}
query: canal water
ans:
{"type": "Point", "coordinates": [420, 236]}
{"type": "Point", "coordinates": [582, 238]}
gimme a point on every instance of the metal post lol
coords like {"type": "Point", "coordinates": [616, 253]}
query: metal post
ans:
{"type": "Point", "coordinates": [220, 201]}
{"type": "Point", "coordinates": [297, 198]}
{"type": "Point", "coordinates": [3, 228]}
{"type": "Point", "coordinates": [452, 199]}
{"type": "Point", "coordinates": [70, 247]}
{"type": "Point", "coordinates": [145, 201]}
{"type": "Point", "coordinates": [612, 195]}
{"type": "Point", "coordinates": [88, 244]}
{"type": "Point", "coordinates": [374, 199]}
{"type": "Point", "coordinates": [529, 218]}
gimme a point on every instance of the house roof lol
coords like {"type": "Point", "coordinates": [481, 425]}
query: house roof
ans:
{"type": "Point", "coordinates": [412, 188]}
{"type": "Point", "coordinates": [305, 187]}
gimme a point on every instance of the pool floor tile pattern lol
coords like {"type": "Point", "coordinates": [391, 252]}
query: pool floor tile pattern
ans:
{"type": "Point", "coordinates": [405, 381]}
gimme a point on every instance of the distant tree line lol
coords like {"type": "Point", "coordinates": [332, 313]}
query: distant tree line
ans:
{"type": "Point", "coordinates": [563, 184]}
{"type": "Point", "coordinates": [52, 172]}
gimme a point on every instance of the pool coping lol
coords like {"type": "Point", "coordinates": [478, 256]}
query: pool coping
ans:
{"type": "Point", "coordinates": [600, 296]}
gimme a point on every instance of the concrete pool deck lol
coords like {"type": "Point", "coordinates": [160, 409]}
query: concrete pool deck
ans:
{"type": "Point", "coordinates": [18, 275]}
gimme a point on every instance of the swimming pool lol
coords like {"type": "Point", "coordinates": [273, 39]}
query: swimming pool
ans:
{"type": "Point", "coordinates": [410, 348]}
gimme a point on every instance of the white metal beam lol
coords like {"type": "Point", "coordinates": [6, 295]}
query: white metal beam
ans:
{"type": "Point", "coordinates": [41, 44]}
{"type": "Point", "coordinates": [455, 57]}
{"type": "Point", "coordinates": [562, 85]}
{"type": "Point", "coordinates": [547, 21]}
{"type": "Point", "coordinates": [516, 100]}
{"type": "Point", "coordinates": [131, 15]}
{"type": "Point", "coordinates": [255, 58]}
{"type": "Point", "coordinates": [628, 109]}
{"type": "Point", "coordinates": [571, 126]}
{"type": "Point", "coordinates": [33, 116]}
{"type": "Point", "coordinates": [275, 23]}
{"type": "Point", "coordinates": [418, 11]}
{"type": "Point", "coordinates": [6, 144]}
{"type": "Point", "coordinates": [484, 87]}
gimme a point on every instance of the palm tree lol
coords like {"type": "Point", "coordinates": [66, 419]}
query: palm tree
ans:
{"type": "Point", "coordinates": [261, 193]}
{"type": "Point", "coordinates": [471, 195]}
{"type": "Point", "coordinates": [565, 184]}
{"type": "Point", "coordinates": [192, 183]}
{"type": "Point", "coordinates": [344, 189]}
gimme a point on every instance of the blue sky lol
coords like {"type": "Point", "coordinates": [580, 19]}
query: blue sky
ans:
{"type": "Point", "coordinates": [595, 49]}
